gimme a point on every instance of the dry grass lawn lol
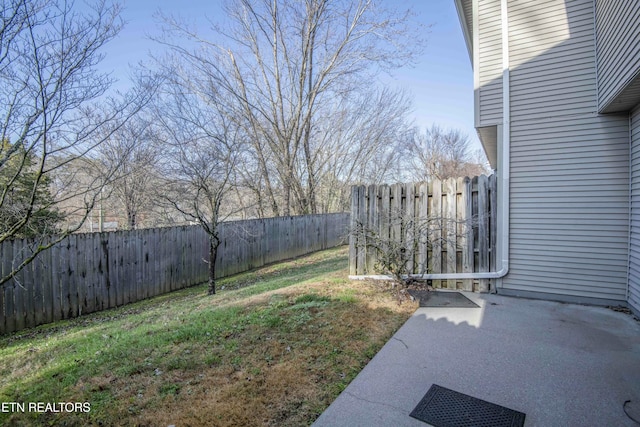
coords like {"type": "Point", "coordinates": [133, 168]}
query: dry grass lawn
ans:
{"type": "Point", "coordinates": [274, 348]}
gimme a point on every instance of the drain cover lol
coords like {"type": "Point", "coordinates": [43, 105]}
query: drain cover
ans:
{"type": "Point", "coordinates": [441, 299]}
{"type": "Point", "coordinates": [442, 407]}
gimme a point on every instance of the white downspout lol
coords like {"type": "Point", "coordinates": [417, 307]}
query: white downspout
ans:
{"type": "Point", "coordinates": [502, 241]}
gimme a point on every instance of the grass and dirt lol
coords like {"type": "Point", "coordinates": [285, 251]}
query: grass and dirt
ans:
{"type": "Point", "coordinates": [274, 347]}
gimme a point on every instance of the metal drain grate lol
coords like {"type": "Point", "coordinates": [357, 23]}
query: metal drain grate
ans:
{"type": "Point", "coordinates": [442, 407]}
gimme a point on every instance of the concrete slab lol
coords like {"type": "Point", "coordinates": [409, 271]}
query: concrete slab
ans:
{"type": "Point", "coordinates": [561, 364]}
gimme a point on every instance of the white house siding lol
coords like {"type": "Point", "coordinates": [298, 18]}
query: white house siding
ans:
{"type": "Point", "coordinates": [569, 166]}
{"type": "Point", "coordinates": [490, 62]}
{"type": "Point", "coordinates": [618, 47]}
{"type": "Point", "coordinates": [634, 255]}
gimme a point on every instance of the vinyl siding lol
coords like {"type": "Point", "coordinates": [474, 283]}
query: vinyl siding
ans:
{"type": "Point", "coordinates": [552, 58]}
{"type": "Point", "coordinates": [490, 64]}
{"type": "Point", "coordinates": [569, 173]}
{"type": "Point", "coordinates": [618, 47]}
{"type": "Point", "coordinates": [634, 255]}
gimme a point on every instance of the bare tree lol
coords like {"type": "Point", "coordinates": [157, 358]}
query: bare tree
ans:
{"type": "Point", "coordinates": [280, 63]}
{"type": "Point", "coordinates": [49, 89]}
{"type": "Point", "coordinates": [202, 145]}
{"type": "Point", "coordinates": [360, 141]}
{"type": "Point", "coordinates": [132, 154]}
{"type": "Point", "coordinates": [441, 154]}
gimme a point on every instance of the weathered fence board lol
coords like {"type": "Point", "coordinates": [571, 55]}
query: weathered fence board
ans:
{"type": "Point", "coordinates": [96, 271]}
{"type": "Point", "coordinates": [454, 214]}
{"type": "Point", "coordinates": [451, 237]}
{"type": "Point", "coordinates": [483, 231]}
{"type": "Point", "coordinates": [436, 245]}
{"type": "Point", "coordinates": [18, 287]}
{"type": "Point", "coordinates": [493, 219]}
{"type": "Point", "coordinates": [422, 212]}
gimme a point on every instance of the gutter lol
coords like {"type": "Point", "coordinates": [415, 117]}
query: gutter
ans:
{"type": "Point", "coordinates": [504, 143]}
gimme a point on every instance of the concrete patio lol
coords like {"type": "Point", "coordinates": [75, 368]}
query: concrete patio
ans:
{"type": "Point", "coordinates": [560, 364]}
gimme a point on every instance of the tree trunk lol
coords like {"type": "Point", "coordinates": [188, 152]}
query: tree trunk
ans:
{"type": "Point", "coordinates": [213, 252]}
{"type": "Point", "coordinates": [131, 220]}
{"type": "Point", "coordinates": [264, 170]}
{"type": "Point", "coordinates": [310, 202]}
{"type": "Point", "coordinates": [287, 197]}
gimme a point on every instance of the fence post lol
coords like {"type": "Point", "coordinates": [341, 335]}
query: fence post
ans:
{"type": "Point", "coordinates": [437, 229]}
{"type": "Point", "coordinates": [372, 221]}
{"type": "Point", "coordinates": [493, 224]}
{"type": "Point", "coordinates": [362, 216]}
{"type": "Point", "coordinates": [483, 231]}
{"type": "Point", "coordinates": [410, 215]}
{"type": "Point", "coordinates": [465, 218]}
{"type": "Point", "coordinates": [353, 226]}
{"type": "Point", "coordinates": [450, 216]}
{"type": "Point", "coordinates": [422, 211]}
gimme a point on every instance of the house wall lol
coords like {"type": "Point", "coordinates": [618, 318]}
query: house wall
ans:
{"type": "Point", "coordinates": [634, 255]}
{"type": "Point", "coordinates": [618, 32]}
{"type": "Point", "coordinates": [490, 63]}
{"type": "Point", "coordinates": [569, 171]}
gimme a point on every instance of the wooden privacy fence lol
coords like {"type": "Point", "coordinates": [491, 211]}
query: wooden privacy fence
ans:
{"type": "Point", "coordinates": [435, 227]}
{"type": "Point", "coordinates": [95, 271]}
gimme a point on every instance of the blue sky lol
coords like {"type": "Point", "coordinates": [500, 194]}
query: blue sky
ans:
{"type": "Point", "coordinates": [441, 82]}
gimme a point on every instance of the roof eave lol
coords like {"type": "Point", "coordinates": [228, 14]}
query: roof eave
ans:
{"type": "Point", "coordinates": [465, 28]}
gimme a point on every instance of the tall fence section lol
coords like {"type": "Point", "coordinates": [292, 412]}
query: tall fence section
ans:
{"type": "Point", "coordinates": [90, 272]}
{"type": "Point", "coordinates": [435, 227]}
